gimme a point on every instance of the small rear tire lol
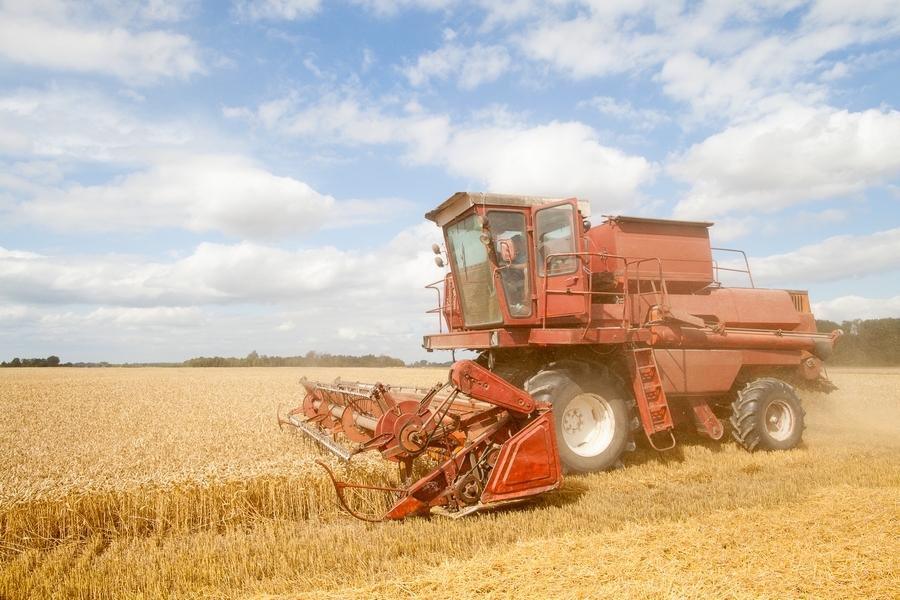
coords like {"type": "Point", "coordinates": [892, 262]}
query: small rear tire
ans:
{"type": "Point", "coordinates": [767, 415]}
{"type": "Point", "coordinates": [592, 417]}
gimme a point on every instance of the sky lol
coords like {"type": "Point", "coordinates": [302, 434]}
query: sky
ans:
{"type": "Point", "coordinates": [181, 178]}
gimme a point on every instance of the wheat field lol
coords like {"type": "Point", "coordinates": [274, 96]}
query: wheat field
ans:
{"type": "Point", "coordinates": [161, 483]}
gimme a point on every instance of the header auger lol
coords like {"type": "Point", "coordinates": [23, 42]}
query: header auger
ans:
{"type": "Point", "coordinates": [589, 339]}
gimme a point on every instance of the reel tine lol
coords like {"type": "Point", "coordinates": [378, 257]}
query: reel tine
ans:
{"type": "Point", "coordinates": [339, 490]}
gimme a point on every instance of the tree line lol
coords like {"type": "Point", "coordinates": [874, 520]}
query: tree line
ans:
{"type": "Point", "coordinates": [50, 361]}
{"type": "Point", "coordinates": [53, 361]}
{"type": "Point", "coordinates": [254, 359]}
{"type": "Point", "coordinates": [311, 359]}
{"type": "Point", "coordinates": [869, 343]}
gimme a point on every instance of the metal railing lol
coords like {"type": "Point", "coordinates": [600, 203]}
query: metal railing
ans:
{"type": "Point", "coordinates": [717, 268]}
{"type": "Point", "coordinates": [661, 295]}
{"type": "Point", "coordinates": [440, 307]}
{"type": "Point", "coordinates": [627, 297]}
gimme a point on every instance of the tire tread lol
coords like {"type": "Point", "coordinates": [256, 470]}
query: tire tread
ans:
{"type": "Point", "coordinates": [746, 420]}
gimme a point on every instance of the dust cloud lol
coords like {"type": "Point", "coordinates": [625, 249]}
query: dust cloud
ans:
{"type": "Point", "coordinates": [863, 412]}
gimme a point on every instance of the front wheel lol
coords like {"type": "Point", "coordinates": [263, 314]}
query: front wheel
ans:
{"type": "Point", "coordinates": [592, 417]}
{"type": "Point", "coordinates": [767, 415]}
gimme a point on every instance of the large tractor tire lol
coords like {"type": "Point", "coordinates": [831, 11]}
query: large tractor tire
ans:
{"type": "Point", "coordinates": [767, 415]}
{"type": "Point", "coordinates": [592, 415]}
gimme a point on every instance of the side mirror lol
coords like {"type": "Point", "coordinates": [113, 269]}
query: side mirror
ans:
{"type": "Point", "coordinates": [439, 261]}
{"type": "Point", "coordinates": [507, 250]}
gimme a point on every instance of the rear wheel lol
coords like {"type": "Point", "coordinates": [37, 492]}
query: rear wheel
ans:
{"type": "Point", "coordinates": [591, 414]}
{"type": "Point", "coordinates": [767, 415]}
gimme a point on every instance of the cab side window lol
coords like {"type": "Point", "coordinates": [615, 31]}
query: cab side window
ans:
{"type": "Point", "coordinates": [508, 228]}
{"type": "Point", "coordinates": [554, 234]}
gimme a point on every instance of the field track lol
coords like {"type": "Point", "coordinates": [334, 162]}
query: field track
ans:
{"type": "Point", "coordinates": [128, 483]}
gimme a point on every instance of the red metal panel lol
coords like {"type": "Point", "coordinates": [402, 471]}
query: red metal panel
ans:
{"type": "Point", "coordinates": [528, 463]}
{"type": "Point", "coordinates": [770, 357]}
{"type": "Point", "coordinates": [697, 371]}
{"type": "Point", "coordinates": [682, 247]}
{"type": "Point", "coordinates": [706, 419]}
{"type": "Point", "coordinates": [508, 338]}
{"type": "Point", "coordinates": [593, 335]}
{"type": "Point", "coordinates": [464, 339]}
{"type": "Point", "coordinates": [481, 384]}
{"type": "Point", "coordinates": [565, 304]}
{"type": "Point", "coordinates": [613, 313]}
{"type": "Point", "coordinates": [740, 307]}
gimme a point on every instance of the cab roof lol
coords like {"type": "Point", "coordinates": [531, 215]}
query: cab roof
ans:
{"type": "Point", "coordinates": [459, 202]}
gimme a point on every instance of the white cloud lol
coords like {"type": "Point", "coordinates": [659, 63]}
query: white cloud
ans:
{"type": "Point", "coordinates": [496, 149]}
{"type": "Point", "coordinates": [19, 254]}
{"type": "Point", "coordinates": [368, 60]}
{"type": "Point", "coordinates": [833, 259]}
{"type": "Point", "coordinates": [884, 14]}
{"type": "Point", "coordinates": [556, 159]}
{"type": "Point", "coordinates": [13, 313]}
{"type": "Point", "coordinates": [730, 228]}
{"type": "Point", "coordinates": [848, 308]}
{"type": "Point", "coordinates": [286, 326]}
{"type": "Point", "coordinates": [43, 171]}
{"type": "Point", "coordinates": [348, 333]}
{"type": "Point", "coordinates": [198, 192]}
{"type": "Point", "coordinates": [472, 66]}
{"type": "Point", "coordinates": [236, 112]}
{"type": "Point", "coordinates": [220, 299]}
{"type": "Point", "coordinates": [153, 335]}
{"type": "Point", "coordinates": [166, 10]}
{"type": "Point", "coordinates": [226, 193]}
{"type": "Point", "coordinates": [722, 58]}
{"type": "Point", "coordinates": [77, 124]}
{"type": "Point", "coordinates": [277, 9]}
{"type": "Point", "coordinates": [587, 46]}
{"type": "Point", "coordinates": [140, 58]}
{"type": "Point", "coordinates": [392, 7]}
{"type": "Point", "coordinates": [645, 119]}
{"type": "Point", "coordinates": [133, 95]}
{"type": "Point", "coordinates": [221, 274]}
{"type": "Point", "coordinates": [796, 156]}
{"type": "Point", "coordinates": [166, 180]}
{"type": "Point", "coordinates": [610, 38]}
{"type": "Point", "coordinates": [146, 318]}
{"type": "Point", "coordinates": [13, 142]}
{"type": "Point", "coordinates": [334, 119]}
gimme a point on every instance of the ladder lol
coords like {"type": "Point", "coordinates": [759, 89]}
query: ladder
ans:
{"type": "Point", "coordinates": [651, 399]}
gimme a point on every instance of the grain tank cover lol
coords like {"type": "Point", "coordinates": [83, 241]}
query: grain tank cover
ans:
{"type": "Point", "coordinates": [459, 202]}
{"type": "Point", "coordinates": [682, 248]}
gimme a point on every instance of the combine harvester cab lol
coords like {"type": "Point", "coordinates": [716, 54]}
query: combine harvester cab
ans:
{"type": "Point", "coordinates": [616, 333]}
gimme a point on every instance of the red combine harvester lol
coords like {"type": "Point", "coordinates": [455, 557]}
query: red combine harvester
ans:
{"type": "Point", "coordinates": [586, 337]}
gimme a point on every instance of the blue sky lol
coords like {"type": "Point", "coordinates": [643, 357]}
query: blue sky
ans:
{"type": "Point", "coordinates": [182, 178]}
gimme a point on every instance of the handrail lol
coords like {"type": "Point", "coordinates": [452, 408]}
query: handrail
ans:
{"type": "Point", "coordinates": [590, 292]}
{"type": "Point", "coordinates": [440, 306]}
{"type": "Point", "coordinates": [717, 268]}
{"type": "Point", "coordinates": [628, 318]}
{"type": "Point", "coordinates": [664, 299]}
